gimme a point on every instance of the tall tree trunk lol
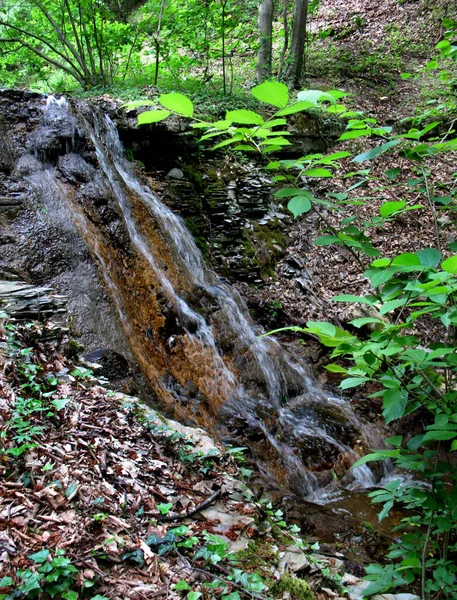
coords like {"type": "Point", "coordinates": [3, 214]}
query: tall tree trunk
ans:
{"type": "Point", "coordinates": [265, 39]}
{"type": "Point", "coordinates": [285, 46]}
{"type": "Point", "coordinates": [297, 43]}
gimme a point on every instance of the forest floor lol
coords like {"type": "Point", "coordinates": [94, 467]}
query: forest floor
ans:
{"type": "Point", "coordinates": [102, 498]}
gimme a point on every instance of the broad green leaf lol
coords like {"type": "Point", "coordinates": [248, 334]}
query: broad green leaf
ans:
{"type": "Point", "coordinates": [274, 123]}
{"type": "Point", "coordinates": [299, 205]}
{"type": "Point", "coordinates": [315, 96]}
{"type": "Point", "coordinates": [349, 135]}
{"type": "Point", "coordinates": [350, 298]}
{"type": "Point", "coordinates": [395, 440]}
{"type": "Point", "coordinates": [390, 208]}
{"type": "Point", "coordinates": [334, 368]}
{"type": "Point", "coordinates": [450, 264]}
{"type": "Point", "coordinates": [244, 117]}
{"type": "Point", "coordinates": [277, 142]}
{"type": "Point", "coordinates": [137, 104]}
{"type": "Point", "coordinates": [327, 240]}
{"type": "Point", "coordinates": [318, 173]}
{"type": "Point", "coordinates": [394, 401]}
{"type": "Point", "coordinates": [439, 435]}
{"type": "Point", "coordinates": [294, 108]}
{"type": "Point", "coordinates": [429, 257]}
{"type": "Point", "coordinates": [288, 192]}
{"type": "Point", "coordinates": [272, 92]}
{"type": "Point", "coordinates": [327, 160]}
{"type": "Point", "coordinates": [177, 103]}
{"type": "Point", "coordinates": [381, 277]}
{"type": "Point", "coordinates": [60, 403]}
{"type": "Point", "coordinates": [374, 152]}
{"type": "Point", "coordinates": [393, 173]}
{"type": "Point", "coordinates": [234, 139]}
{"type": "Point", "coordinates": [6, 582]}
{"type": "Point", "coordinates": [407, 259]}
{"type": "Point", "coordinates": [153, 116]}
{"type": "Point", "coordinates": [366, 321]}
{"type": "Point", "coordinates": [380, 455]}
{"type": "Point", "coordinates": [351, 382]}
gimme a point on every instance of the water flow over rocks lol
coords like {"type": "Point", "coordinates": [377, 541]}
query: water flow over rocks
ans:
{"type": "Point", "coordinates": [190, 332]}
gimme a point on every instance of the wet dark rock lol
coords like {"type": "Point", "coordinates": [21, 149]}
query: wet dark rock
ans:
{"type": "Point", "coordinates": [74, 168]}
{"type": "Point", "coordinates": [114, 365]}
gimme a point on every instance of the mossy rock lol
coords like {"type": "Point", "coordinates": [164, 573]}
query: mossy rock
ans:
{"type": "Point", "coordinates": [299, 589]}
{"type": "Point", "coordinates": [258, 554]}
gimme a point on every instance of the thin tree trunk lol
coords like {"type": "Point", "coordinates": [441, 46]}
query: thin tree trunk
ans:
{"type": "Point", "coordinates": [297, 43]}
{"type": "Point", "coordinates": [157, 43]}
{"type": "Point", "coordinates": [265, 24]}
{"type": "Point", "coordinates": [285, 46]}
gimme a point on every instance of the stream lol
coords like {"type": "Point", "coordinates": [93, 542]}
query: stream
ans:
{"type": "Point", "coordinates": [190, 331]}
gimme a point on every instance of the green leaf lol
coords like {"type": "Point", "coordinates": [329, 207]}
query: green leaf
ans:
{"type": "Point", "coordinates": [272, 92]}
{"type": "Point", "coordinates": [274, 123]}
{"type": "Point", "coordinates": [6, 582]}
{"type": "Point", "coordinates": [392, 305]}
{"type": "Point", "coordinates": [380, 455]}
{"type": "Point", "coordinates": [137, 104]}
{"type": "Point", "coordinates": [294, 108]}
{"type": "Point", "coordinates": [390, 208]}
{"type": "Point", "coordinates": [374, 152]}
{"type": "Point", "coordinates": [193, 595]}
{"type": "Point", "coordinates": [318, 173]}
{"type": "Point", "coordinates": [351, 382]}
{"type": "Point", "coordinates": [182, 585]}
{"type": "Point", "coordinates": [164, 508]}
{"type": "Point", "coordinates": [393, 173]}
{"type": "Point", "coordinates": [299, 205]}
{"type": "Point", "coordinates": [349, 135]}
{"type": "Point", "coordinates": [327, 240]}
{"type": "Point", "coordinates": [71, 489]}
{"type": "Point", "coordinates": [245, 117]}
{"type": "Point", "coordinates": [379, 278]}
{"type": "Point", "coordinates": [153, 116]}
{"type": "Point", "coordinates": [429, 257]}
{"type": "Point", "coordinates": [366, 321]}
{"type": "Point", "coordinates": [395, 440]}
{"type": "Point", "coordinates": [315, 96]}
{"type": "Point", "coordinates": [177, 103]}
{"type": "Point", "coordinates": [334, 368]}
{"type": "Point", "coordinates": [351, 298]}
{"type": "Point", "coordinates": [40, 557]}
{"type": "Point", "coordinates": [394, 401]}
{"type": "Point", "coordinates": [407, 259]}
{"type": "Point", "coordinates": [450, 264]}
{"type": "Point", "coordinates": [439, 435]}
{"type": "Point", "coordinates": [70, 595]}
{"type": "Point", "coordinates": [287, 192]}
{"type": "Point", "coordinates": [60, 403]}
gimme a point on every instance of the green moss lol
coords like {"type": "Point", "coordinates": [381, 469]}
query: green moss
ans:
{"type": "Point", "coordinates": [298, 589]}
{"type": "Point", "coordinates": [264, 246]}
{"type": "Point", "coordinates": [258, 554]}
{"type": "Point", "coordinates": [74, 348]}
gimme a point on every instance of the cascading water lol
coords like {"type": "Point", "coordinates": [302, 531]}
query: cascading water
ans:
{"type": "Point", "coordinates": [190, 332]}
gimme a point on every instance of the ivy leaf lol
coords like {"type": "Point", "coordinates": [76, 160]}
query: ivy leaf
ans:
{"type": "Point", "coordinates": [299, 205]}
{"type": "Point", "coordinates": [177, 103]}
{"type": "Point", "coordinates": [244, 117]}
{"type": "Point", "coordinates": [153, 116]}
{"type": "Point", "coordinates": [182, 585]}
{"type": "Point", "coordinates": [272, 92]}
{"type": "Point", "coordinates": [40, 557]}
{"type": "Point", "coordinates": [164, 508]}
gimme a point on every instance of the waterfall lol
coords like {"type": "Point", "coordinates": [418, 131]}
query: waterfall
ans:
{"type": "Point", "coordinates": [192, 333]}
